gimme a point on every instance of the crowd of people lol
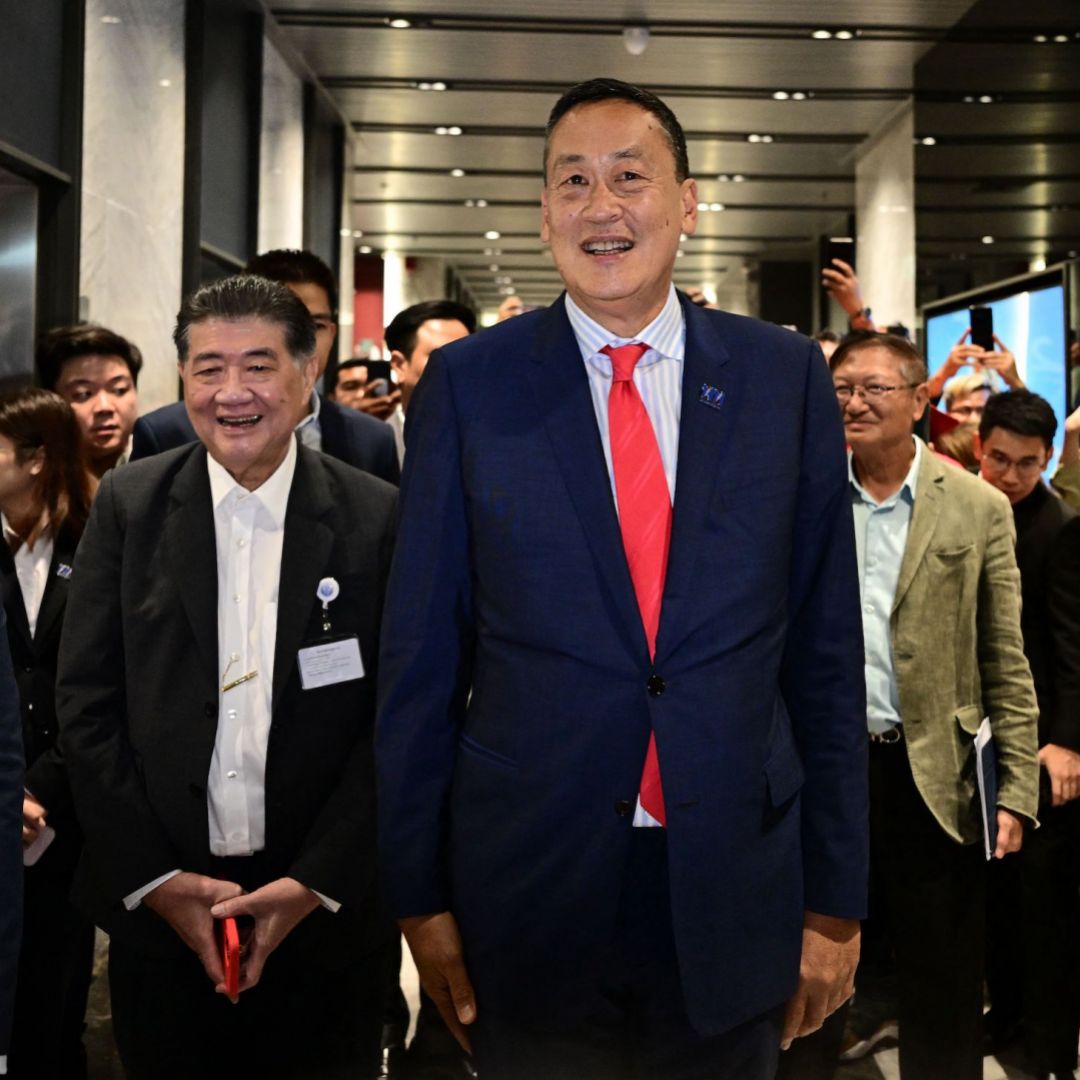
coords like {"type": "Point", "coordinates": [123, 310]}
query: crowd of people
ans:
{"type": "Point", "coordinates": [655, 740]}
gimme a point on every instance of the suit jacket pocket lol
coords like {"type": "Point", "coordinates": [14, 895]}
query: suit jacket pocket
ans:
{"type": "Point", "coordinates": [969, 717]}
{"type": "Point", "coordinates": [784, 773]}
{"type": "Point", "coordinates": [471, 746]}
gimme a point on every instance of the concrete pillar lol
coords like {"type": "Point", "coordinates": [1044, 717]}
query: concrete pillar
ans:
{"type": "Point", "coordinates": [885, 219]}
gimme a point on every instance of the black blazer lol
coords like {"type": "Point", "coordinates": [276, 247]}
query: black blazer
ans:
{"type": "Point", "coordinates": [137, 694]}
{"type": "Point", "coordinates": [1048, 555]}
{"type": "Point", "coordinates": [351, 436]}
{"type": "Point", "coordinates": [34, 660]}
{"type": "Point", "coordinates": [11, 873]}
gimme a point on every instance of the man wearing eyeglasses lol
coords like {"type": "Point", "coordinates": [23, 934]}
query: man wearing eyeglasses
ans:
{"type": "Point", "coordinates": [941, 621]}
{"type": "Point", "coordinates": [1032, 974]}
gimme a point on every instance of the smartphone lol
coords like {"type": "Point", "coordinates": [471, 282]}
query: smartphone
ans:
{"type": "Point", "coordinates": [378, 388]}
{"type": "Point", "coordinates": [229, 944]}
{"type": "Point", "coordinates": [840, 247]}
{"type": "Point", "coordinates": [982, 327]}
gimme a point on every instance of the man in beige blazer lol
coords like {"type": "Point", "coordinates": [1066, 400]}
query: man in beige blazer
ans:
{"type": "Point", "coordinates": [940, 595]}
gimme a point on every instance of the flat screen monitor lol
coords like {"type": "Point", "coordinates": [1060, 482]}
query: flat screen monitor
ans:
{"type": "Point", "coordinates": [1029, 317]}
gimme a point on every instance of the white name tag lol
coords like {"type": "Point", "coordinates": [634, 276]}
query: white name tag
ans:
{"type": "Point", "coordinates": [330, 662]}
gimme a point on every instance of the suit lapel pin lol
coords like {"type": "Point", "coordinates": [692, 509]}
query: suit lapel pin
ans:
{"type": "Point", "coordinates": [328, 591]}
{"type": "Point", "coordinates": [712, 396]}
{"type": "Point", "coordinates": [63, 570]}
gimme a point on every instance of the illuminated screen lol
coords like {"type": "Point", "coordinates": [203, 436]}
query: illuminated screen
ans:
{"type": "Point", "coordinates": [1031, 323]}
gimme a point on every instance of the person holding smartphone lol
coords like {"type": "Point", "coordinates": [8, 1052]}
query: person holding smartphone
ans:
{"type": "Point", "coordinates": [966, 353]}
{"type": "Point", "coordinates": [44, 503]}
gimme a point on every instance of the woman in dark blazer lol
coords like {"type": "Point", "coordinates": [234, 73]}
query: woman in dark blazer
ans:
{"type": "Point", "coordinates": [44, 502]}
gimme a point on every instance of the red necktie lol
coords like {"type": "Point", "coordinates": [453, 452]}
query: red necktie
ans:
{"type": "Point", "coordinates": [644, 518]}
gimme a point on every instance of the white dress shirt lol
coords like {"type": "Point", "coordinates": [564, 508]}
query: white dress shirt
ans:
{"type": "Point", "coordinates": [658, 378]}
{"type": "Point", "coordinates": [249, 527]}
{"type": "Point", "coordinates": [31, 570]}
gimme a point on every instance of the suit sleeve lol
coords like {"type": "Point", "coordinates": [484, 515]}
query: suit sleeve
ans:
{"type": "Point", "coordinates": [1008, 695]}
{"type": "Point", "coordinates": [11, 870]}
{"type": "Point", "coordinates": [821, 676]}
{"type": "Point", "coordinates": [388, 468]}
{"type": "Point", "coordinates": [1063, 611]}
{"type": "Point", "coordinates": [128, 842]}
{"type": "Point", "coordinates": [344, 824]}
{"type": "Point", "coordinates": [427, 647]}
{"type": "Point", "coordinates": [143, 440]}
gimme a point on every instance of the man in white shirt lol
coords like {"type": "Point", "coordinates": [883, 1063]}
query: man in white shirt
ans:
{"type": "Point", "coordinates": [216, 699]}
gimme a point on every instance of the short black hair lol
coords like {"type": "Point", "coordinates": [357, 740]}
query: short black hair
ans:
{"type": "Point", "coordinates": [291, 266]}
{"type": "Point", "coordinates": [66, 343]}
{"type": "Point", "coordinates": [248, 296]}
{"type": "Point", "coordinates": [402, 331]}
{"type": "Point", "coordinates": [596, 90]}
{"type": "Point", "coordinates": [912, 362]}
{"type": "Point", "coordinates": [827, 335]}
{"type": "Point", "coordinates": [1022, 413]}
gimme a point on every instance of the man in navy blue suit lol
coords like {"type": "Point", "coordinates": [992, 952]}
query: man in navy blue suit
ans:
{"type": "Point", "coordinates": [621, 741]}
{"type": "Point", "coordinates": [358, 440]}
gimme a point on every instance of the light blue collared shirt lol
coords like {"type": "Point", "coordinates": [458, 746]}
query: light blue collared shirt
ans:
{"type": "Point", "coordinates": [657, 376]}
{"type": "Point", "coordinates": [881, 532]}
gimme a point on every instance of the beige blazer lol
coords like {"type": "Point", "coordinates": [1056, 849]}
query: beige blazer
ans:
{"type": "Point", "coordinates": [958, 651]}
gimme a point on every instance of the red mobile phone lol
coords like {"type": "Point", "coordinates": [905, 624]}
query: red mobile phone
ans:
{"type": "Point", "coordinates": [229, 943]}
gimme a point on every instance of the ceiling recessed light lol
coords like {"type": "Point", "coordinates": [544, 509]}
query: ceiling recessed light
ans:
{"type": "Point", "coordinates": [492, 234]}
{"type": "Point", "coordinates": [457, 172]}
{"type": "Point", "coordinates": [799, 96]}
{"type": "Point", "coordinates": [682, 238]}
{"type": "Point", "coordinates": [968, 98]}
{"type": "Point", "coordinates": [111, 20]}
{"type": "Point", "coordinates": [164, 82]}
{"type": "Point", "coordinates": [821, 35]}
{"type": "Point", "coordinates": [452, 129]}
{"type": "Point", "coordinates": [1073, 254]}
{"type": "Point", "coordinates": [766, 138]}
{"type": "Point", "coordinates": [781, 95]}
{"type": "Point", "coordinates": [680, 253]}
{"type": "Point", "coordinates": [492, 251]}
{"type": "Point", "coordinates": [399, 24]}
{"type": "Point", "coordinates": [357, 233]}
{"type": "Point", "coordinates": [470, 202]}
{"type": "Point", "coordinates": [1061, 38]}
{"type": "Point", "coordinates": [844, 35]}
{"type": "Point", "coordinates": [481, 203]}
{"type": "Point", "coordinates": [703, 206]}
{"type": "Point", "coordinates": [716, 207]}
{"type": "Point", "coordinates": [928, 140]}
{"type": "Point", "coordinates": [738, 178]}
{"type": "Point", "coordinates": [364, 249]}
{"type": "Point", "coordinates": [345, 232]}
{"type": "Point", "coordinates": [753, 138]}
{"type": "Point", "coordinates": [494, 268]}
{"type": "Point", "coordinates": [1041, 39]}
{"type": "Point", "coordinates": [985, 99]}
{"type": "Point", "coordinates": [723, 178]}
{"type": "Point", "coordinates": [987, 239]}
{"type": "Point", "coordinates": [431, 86]}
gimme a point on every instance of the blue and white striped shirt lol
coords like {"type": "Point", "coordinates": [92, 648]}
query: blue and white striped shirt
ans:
{"type": "Point", "coordinates": [657, 376]}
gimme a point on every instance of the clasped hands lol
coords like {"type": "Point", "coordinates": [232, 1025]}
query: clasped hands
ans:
{"type": "Point", "coordinates": [190, 904]}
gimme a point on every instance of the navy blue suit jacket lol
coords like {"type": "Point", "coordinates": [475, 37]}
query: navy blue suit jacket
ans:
{"type": "Point", "coordinates": [514, 714]}
{"type": "Point", "coordinates": [350, 436]}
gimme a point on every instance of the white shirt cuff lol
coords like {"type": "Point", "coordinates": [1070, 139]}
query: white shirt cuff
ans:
{"type": "Point", "coordinates": [3, 1064]}
{"type": "Point", "coordinates": [332, 906]}
{"type": "Point", "coordinates": [136, 898]}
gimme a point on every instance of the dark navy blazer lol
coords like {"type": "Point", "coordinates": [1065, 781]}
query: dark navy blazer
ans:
{"type": "Point", "coordinates": [517, 693]}
{"type": "Point", "coordinates": [350, 436]}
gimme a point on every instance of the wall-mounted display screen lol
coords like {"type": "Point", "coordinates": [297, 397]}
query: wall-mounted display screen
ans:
{"type": "Point", "coordinates": [1029, 315]}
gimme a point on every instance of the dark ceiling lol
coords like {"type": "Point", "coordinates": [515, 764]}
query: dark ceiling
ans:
{"type": "Point", "coordinates": [778, 168]}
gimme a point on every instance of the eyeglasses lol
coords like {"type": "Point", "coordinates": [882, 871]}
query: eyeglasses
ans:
{"type": "Point", "coordinates": [869, 392]}
{"type": "Point", "coordinates": [996, 462]}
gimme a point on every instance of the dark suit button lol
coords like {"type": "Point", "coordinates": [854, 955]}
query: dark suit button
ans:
{"type": "Point", "coordinates": [623, 807]}
{"type": "Point", "coordinates": [656, 686]}
{"type": "Point", "coordinates": [210, 710]}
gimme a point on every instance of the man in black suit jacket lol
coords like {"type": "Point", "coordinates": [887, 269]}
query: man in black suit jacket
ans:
{"type": "Point", "coordinates": [1034, 953]}
{"type": "Point", "coordinates": [216, 701]}
{"type": "Point", "coordinates": [359, 440]}
{"type": "Point", "coordinates": [11, 801]}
